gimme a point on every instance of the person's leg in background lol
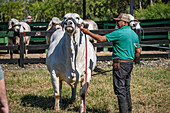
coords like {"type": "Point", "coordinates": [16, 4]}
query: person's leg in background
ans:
{"type": "Point", "coordinates": [4, 108]}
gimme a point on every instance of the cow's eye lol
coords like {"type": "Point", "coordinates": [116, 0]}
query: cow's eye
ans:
{"type": "Point", "coordinates": [77, 18]}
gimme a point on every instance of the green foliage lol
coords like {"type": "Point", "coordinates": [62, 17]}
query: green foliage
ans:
{"type": "Point", "coordinates": [157, 11]}
{"type": "Point", "coordinates": [102, 10]}
{"type": "Point", "coordinates": [9, 10]}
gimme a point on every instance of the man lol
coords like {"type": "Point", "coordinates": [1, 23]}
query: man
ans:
{"type": "Point", "coordinates": [126, 49]}
{"type": "Point", "coordinates": [3, 97]}
{"type": "Point", "coordinates": [29, 19]}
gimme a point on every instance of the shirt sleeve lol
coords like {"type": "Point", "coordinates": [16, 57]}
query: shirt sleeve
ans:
{"type": "Point", "coordinates": [113, 36]}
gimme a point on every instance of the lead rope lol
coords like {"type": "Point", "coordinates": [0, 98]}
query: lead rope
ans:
{"type": "Point", "coordinates": [85, 77]}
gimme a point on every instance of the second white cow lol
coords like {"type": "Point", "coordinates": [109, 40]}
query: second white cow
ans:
{"type": "Point", "coordinates": [53, 26]}
{"type": "Point", "coordinates": [16, 26]}
{"type": "Point", "coordinates": [66, 58]}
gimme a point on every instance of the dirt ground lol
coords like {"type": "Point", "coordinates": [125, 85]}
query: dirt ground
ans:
{"type": "Point", "coordinates": [39, 55]}
{"type": "Point", "coordinates": [102, 53]}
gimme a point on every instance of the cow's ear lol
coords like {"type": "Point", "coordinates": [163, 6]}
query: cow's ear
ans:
{"type": "Point", "coordinates": [85, 24]}
{"type": "Point", "coordinates": [10, 26]}
{"type": "Point", "coordinates": [49, 26]}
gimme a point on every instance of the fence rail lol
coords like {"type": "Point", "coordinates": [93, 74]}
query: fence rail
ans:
{"type": "Point", "coordinates": [21, 61]}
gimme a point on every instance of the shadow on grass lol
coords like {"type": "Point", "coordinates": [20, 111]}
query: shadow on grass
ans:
{"type": "Point", "coordinates": [38, 101]}
{"type": "Point", "coordinates": [90, 110]}
{"type": "Point", "coordinates": [100, 71]}
{"type": "Point", "coordinates": [48, 103]}
{"type": "Point", "coordinates": [43, 102]}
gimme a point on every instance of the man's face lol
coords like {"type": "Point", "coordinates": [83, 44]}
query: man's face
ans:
{"type": "Point", "coordinates": [121, 23]}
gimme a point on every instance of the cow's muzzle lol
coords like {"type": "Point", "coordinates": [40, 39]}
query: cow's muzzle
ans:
{"type": "Point", "coordinates": [70, 21]}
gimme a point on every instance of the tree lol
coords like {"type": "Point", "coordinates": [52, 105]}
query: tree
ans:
{"type": "Point", "coordinates": [12, 10]}
{"type": "Point", "coordinates": [156, 11]}
{"type": "Point", "coordinates": [102, 10]}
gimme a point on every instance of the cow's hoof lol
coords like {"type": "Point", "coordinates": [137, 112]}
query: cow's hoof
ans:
{"type": "Point", "coordinates": [81, 110]}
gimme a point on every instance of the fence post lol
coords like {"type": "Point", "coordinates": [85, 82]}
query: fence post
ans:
{"type": "Point", "coordinates": [21, 61]}
{"type": "Point", "coordinates": [138, 31]}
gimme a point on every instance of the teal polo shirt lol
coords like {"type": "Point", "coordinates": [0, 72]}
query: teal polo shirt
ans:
{"type": "Point", "coordinates": [125, 41]}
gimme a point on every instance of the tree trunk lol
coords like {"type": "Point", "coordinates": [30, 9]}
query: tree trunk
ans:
{"type": "Point", "coordinates": [151, 3]}
{"type": "Point", "coordinates": [140, 4]}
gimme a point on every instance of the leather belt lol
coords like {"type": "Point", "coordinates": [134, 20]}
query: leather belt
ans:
{"type": "Point", "coordinates": [126, 60]}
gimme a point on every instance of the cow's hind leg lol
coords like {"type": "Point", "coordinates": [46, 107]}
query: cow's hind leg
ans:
{"type": "Point", "coordinates": [56, 86]}
{"type": "Point", "coordinates": [73, 96]}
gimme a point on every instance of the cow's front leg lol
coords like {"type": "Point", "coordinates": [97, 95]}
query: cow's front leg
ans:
{"type": "Point", "coordinates": [26, 52]}
{"type": "Point", "coordinates": [83, 90]}
{"type": "Point", "coordinates": [82, 97]}
{"type": "Point", "coordinates": [11, 54]}
{"type": "Point", "coordinates": [55, 82]}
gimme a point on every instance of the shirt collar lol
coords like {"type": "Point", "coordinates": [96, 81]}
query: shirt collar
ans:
{"type": "Point", "coordinates": [125, 27]}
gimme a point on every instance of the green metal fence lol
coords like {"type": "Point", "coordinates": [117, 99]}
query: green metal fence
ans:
{"type": "Point", "coordinates": [42, 26]}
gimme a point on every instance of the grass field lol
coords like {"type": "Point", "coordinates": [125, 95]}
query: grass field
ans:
{"type": "Point", "coordinates": [30, 91]}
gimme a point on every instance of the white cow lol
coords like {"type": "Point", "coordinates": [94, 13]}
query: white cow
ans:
{"type": "Point", "coordinates": [15, 25]}
{"type": "Point", "coordinates": [66, 60]}
{"type": "Point", "coordinates": [53, 25]}
{"type": "Point", "coordinates": [135, 24]}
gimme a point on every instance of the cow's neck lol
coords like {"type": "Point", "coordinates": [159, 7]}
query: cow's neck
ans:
{"type": "Point", "coordinates": [73, 48]}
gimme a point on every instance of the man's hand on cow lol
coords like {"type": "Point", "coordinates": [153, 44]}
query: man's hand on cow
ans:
{"type": "Point", "coordinates": [85, 31]}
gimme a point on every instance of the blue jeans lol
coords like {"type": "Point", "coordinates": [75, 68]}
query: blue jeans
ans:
{"type": "Point", "coordinates": [1, 73]}
{"type": "Point", "coordinates": [121, 83]}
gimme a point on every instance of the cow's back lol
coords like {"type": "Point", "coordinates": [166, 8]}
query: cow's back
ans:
{"type": "Point", "coordinates": [26, 26]}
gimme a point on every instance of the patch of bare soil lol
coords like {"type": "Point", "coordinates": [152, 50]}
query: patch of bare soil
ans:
{"type": "Point", "coordinates": [38, 55]}
{"type": "Point", "coordinates": [104, 53]}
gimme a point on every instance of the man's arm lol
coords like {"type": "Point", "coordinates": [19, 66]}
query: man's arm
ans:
{"type": "Point", "coordinates": [95, 36]}
{"type": "Point", "coordinates": [137, 53]}
{"type": "Point", "coordinates": [4, 108]}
